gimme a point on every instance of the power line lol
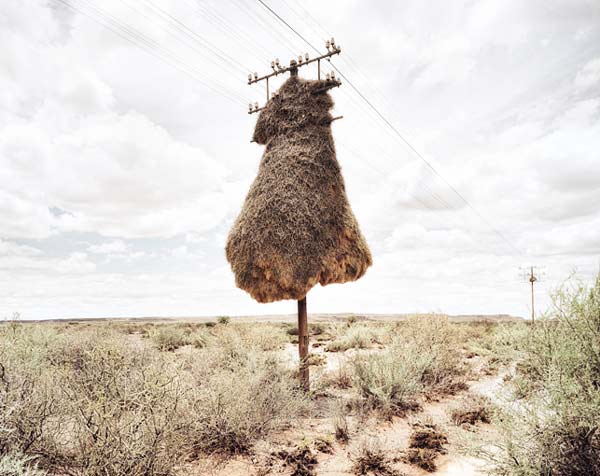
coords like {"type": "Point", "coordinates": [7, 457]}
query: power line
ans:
{"type": "Point", "coordinates": [151, 47]}
{"type": "Point", "coordinates": [396, 131]}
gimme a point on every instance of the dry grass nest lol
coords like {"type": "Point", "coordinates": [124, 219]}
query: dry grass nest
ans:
{"type": "Point", "coordinates": [296, 227]}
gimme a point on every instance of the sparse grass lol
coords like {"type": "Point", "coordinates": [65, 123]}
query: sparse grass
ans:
{"type": "Point", "coordinates": [341, 430]}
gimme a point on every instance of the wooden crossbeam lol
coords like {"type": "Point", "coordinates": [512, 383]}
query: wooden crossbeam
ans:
{"type": "Point", "coordinates": [332, 49]}
{"type": "Point", "coordinates": [294, 64]}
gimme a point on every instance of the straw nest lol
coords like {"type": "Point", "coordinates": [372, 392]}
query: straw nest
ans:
{"type": "Point", "coordinates": [296, 227]}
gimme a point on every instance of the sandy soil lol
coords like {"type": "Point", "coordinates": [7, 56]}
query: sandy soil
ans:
{"type": "Point", "coordinates": [391, 436]}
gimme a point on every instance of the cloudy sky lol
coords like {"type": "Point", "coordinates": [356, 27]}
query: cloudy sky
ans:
{"type": "Point", "coordinates": [125, 150]}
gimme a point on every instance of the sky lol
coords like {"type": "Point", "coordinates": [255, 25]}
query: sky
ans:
{"type": "Point", "coordinates": [125, 150]}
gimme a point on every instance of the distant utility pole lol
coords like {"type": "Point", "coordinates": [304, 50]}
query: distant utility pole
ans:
{"type": "Point", "coordinates": [330, 82]}
{"type": "Point", "coordinates": [532, 275]}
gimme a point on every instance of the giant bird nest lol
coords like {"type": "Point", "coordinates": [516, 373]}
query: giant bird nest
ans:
{"type": "Point", "coordinates": [296, 228]}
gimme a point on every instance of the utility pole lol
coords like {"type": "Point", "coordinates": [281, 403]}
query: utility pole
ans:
{"type": "Point", "coordinates": [332, 49]}
{"type": "Point", "coordinates": [531, 275]}
{"type": "Point", "coordinates": [331, 82]}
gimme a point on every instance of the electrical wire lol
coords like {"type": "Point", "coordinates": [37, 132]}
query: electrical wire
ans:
{"type": "Point", "coordinates": [151, 47]}
{"type": "Point", "coordinates": [397, 132]}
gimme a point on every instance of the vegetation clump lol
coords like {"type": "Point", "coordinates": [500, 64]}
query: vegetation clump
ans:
{"type": "Point", "coordinates": [556, 429]}
{"type": "Point", "coordinates": [301, 460]}
{"type": "Point", "coordinates": [372, 460]}
{"type": "Point", "coordinates": [354, 337]}
{"type": "Point", "coordinates": [392, 380]}
{"type": "Point", "coordinates": [475, 410]}
{"type": "Point", "coordinates": [95, 402]}
{"type": "Point", "coordinates": [425, 444]}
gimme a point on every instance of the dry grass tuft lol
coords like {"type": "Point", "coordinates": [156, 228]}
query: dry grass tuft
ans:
{"type": "Point", "coordinates": [323, 444]}
{"type": "Point", "coordinates": [301, 460]}
{"type": "Point", "coordinates": [340, 421]}
{"type": "Point", "coordinates": [425, 444]}
{"type": "Point", "coordinates": [475, 410]}
{"type": "Point", "coordinates": [372, 460]}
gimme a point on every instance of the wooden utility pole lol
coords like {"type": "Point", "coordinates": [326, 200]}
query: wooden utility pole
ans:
{"type": "Point", "coordinates": [331, 82]}
{"type": "Point", "coordinates": [303, 344]}
{"type": "Point", "coordinates": [532, 279]}
{"type": "Point", "coordinates": [532, 276]}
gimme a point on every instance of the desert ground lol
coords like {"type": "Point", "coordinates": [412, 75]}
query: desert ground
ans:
{"type": "Point", "coordinates": [389, 395]}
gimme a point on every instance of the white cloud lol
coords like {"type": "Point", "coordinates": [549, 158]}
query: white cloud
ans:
{"type": "Point", "coordinates": [76, 263]}
{"type": "Point", "coordinates": [121, 175]}
{"type": "Point", "coordinates": [588, 76]}
{"type": "Point", "coordinates": [115, 246]}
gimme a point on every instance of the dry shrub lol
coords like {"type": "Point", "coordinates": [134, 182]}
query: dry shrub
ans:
{"type": "Point", "coordinates": [301, 460]}
{"type": "Point", "coordinates": [556, 430]}
{"type": "Point", "coordinates": [372, 460]}
{"type": "Point", "coordinates": [360, 336]}
{"type": "Point", "coordinates": [91, 403]}
{"type": "Point", "coordinates": [501, 345]}
{"type": "Point", "coordinates": [340, 421]}
{"type": "Point", "coordinates": [423, 358]}
{"type": "Point", "coordinates": [424, 458]}
{"type": "Point", "coordinates": [242, 402]}
{"type": "Point", "coordinates": [316, 359]}
{"type": "Point", "coordinates": [223, 320]}
{"type": "Point", "coordinates": [475, 410]}
{"type": "Point", "coordinates": [426, 442]}
{"type": "Point", "coordinates": [323, 444]}
{"type": "Point", "coordinates": [15, 464]}
{"type": "Point", "coordinates": [123, 407]}
{"type": "Point", "coordinates": [387, 383]}
{"type": "Point", "coordinates": [235, 338]}
{"type": "Point", "coordinates": [169, 337]}
{"type": "Point", "coordinates": [94, 405]}
{"type": "Point", "coordinates": [442, 371]}
{"type": "Point", "coordinates": [29, 396]}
